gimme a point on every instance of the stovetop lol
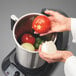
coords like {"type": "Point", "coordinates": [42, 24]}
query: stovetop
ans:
{"type": "Point", "coordinates": [11, 67]}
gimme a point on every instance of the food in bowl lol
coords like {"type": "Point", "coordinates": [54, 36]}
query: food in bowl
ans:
{"type": "Point", "coordinates": [28, 38]}
{"type": "Point", "coordinates": [38, 41]}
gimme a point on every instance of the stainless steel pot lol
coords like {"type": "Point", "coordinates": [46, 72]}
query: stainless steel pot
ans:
{"type": "Point", "coordinates": [27, 58]}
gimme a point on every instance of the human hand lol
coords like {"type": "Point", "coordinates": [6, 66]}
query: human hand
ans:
{"type": "Point", "coordinates": [58, 56]}
{"type": "Point", "coordinates": [59, 23]}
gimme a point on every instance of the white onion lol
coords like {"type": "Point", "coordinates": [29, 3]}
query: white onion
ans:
{"type": "Point", "coordinates": [28, 46]}
{"type": "Point", "coordinates": [49, 47]}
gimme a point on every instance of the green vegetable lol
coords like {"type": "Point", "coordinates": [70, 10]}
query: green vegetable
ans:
{"type": "Point", "coordinates": [36, 45]}
{"type": "Point", "coordinates": [38, 42]}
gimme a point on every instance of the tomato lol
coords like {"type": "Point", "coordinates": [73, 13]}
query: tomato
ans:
{"type": "Point", "coordinates": [28, 38]}
{"type": "Point", "coordinates": [41, 24]}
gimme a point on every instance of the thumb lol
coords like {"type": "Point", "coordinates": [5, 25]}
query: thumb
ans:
{"type": "Point", "coordinates": [47, 33]}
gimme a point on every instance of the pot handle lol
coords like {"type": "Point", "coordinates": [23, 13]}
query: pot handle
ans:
{"type": "Point", "coordinates": [13, 20]}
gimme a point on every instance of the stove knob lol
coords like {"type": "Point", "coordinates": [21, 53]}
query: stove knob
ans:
{"type": "Point", "coordinates": [17, 73]}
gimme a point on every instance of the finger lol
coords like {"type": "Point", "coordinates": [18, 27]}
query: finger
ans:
{"type": "Point", "coordinates": [50, 12]}
{"type": "Point", "coordinates": [54, 60]}
{"type": "Point", "coordinates": [52, 18]}
{"type": "Point", "coordinates": [39, 50]}
{"type": "Point", "coordinates": [47, 33]}
{"type": "Point", "coordinates": [44, 57]}
{"type": "Point", "coordinates": [36, 32]}
{"type": "Point", "coordinates": [48, 59]}
{"type": "Point", "coordinates": [51, 61]}
{"type": "Point", "coordinates": [44, 54]}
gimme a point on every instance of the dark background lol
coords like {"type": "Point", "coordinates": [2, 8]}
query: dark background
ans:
{"type": "Point", "coordinates": [21, 7]}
